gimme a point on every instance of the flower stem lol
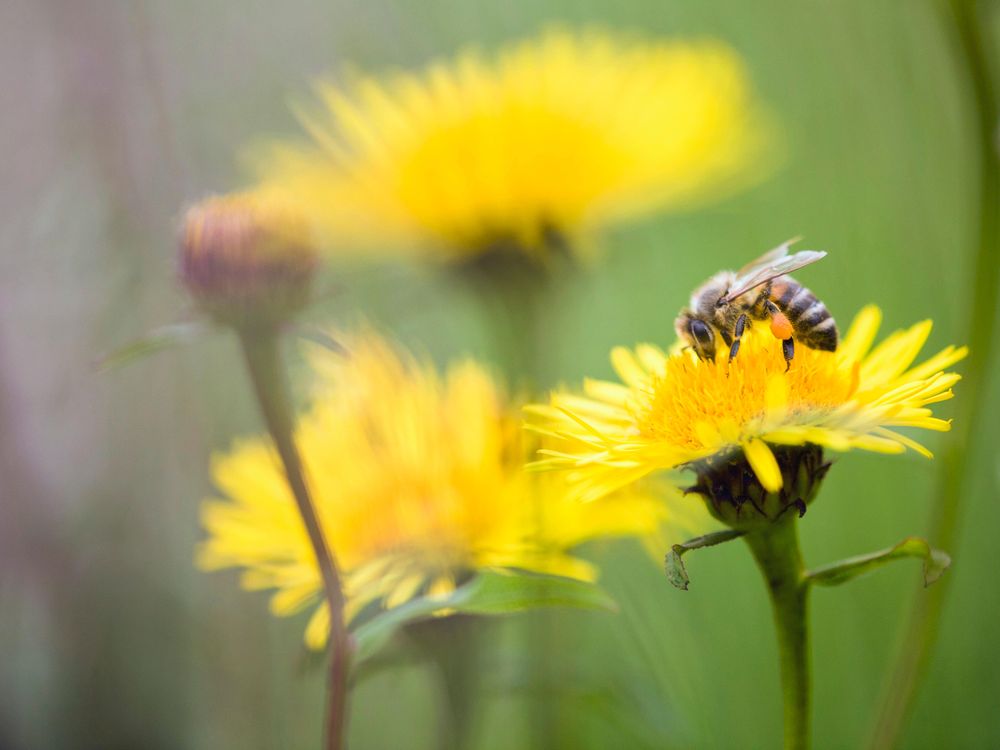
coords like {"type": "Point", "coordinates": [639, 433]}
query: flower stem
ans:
{"type": "Point", "coordinates": [263, 360]}
{"type": "Point", "coordinates": [973, 51]}
{"type": "Point", "coordinates": [776, 550]}
{"type": "Point", "coordinates": [454, 645]}
{"type": "Point", "coordinates": [511, 291]}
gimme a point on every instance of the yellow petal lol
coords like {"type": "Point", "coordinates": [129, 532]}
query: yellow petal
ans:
{"type": "Point", "coordinates": [927, 423]}
{"type": "Point", "coordinates": [891, 358]}
{"type": "Point", "coordinates": [860, 335]}
{"type": "Point", "coordinates": [877, 444]}
{"type": "Point", "coordinates": [838, 440]}
{"type": "Point", "coordinates": [776, 396]}
{"type": "Point", "coordinates": [945, 358]}
{"type": "Point", "coordinates": [612, 393]}
{"type": "Point", "coordinates": [288, 601]}
{"type": "Point", "coordinates": [403, 591]}
{"type": "Point", "coordinates": [318, 629]}
{"type": "Point", "coordinates": [568, 567]}
{"type": "Point", "coordinates": [588, 406]}
{"type": "Point", "coordinates": [652, 357]}
{"type": "Point", "coordinates": [441, 587]}
{"type": "Point", "coordinates": [628, 369]}
{"type": "Point", "coordinates": [708, 434]}
{"type": "Point", "coordinates": [908, 442]}
{"type": "Point", "coordinates": [794, 435]}
{"type": "Point", "coordinates": [763, 463]}
{"type": "Point", "coordinates": [729, 430]}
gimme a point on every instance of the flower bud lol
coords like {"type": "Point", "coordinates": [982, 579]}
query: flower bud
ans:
{"type": "Point", "coordinates": [247, 259]}
{"type": "Point", "coordinates": [735, 496]}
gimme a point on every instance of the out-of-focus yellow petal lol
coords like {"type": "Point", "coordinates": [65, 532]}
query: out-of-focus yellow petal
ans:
{"type": "Point", "coordinates": [318, 628]}
{"type": "Point", "coordinates": [627, 367]}
{"type": "Point", "coordinates": [419, 481]}
{"type": "Point", "coordinates": [291, 600]}
{"type": "Point", "coordinates": [404, 590]}
{"type": "Point", "coordinates": [523, 147]}
{"type": "Point", "coordinates": [612, 393]}
{"type": "Point", "coordinates": [441, 588]}
{"type": "Point", "coordinates": [652, 357]}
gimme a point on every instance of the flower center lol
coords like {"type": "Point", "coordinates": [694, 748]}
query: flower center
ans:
{"type": "Point", "coordinates": [499, 170]}
{"type": "Point", "coordinates": [692, 398]}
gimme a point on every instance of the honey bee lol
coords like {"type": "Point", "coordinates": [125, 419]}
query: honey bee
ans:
{"type": "Point", "coordinates": [730, 302]}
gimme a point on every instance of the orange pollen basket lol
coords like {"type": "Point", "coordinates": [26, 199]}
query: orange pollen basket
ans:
{"type": "Point", "coordinates": [780, 326]}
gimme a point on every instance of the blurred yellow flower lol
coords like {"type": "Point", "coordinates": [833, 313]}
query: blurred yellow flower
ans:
{"type": "Point", "coordinates": [418, 481]}
{"type": "Point", "coordinates": [532, 149]}
{"type": "Point", "coordinates": [677, 410]}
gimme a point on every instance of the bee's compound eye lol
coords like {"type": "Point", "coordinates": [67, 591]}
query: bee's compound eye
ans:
{"type": "Point", "coordinates": [702, 339]}
{"type": "Point", "coordinates": [701, 333]}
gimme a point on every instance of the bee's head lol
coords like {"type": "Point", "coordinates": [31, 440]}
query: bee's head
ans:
{"type": "Point", "coordinates": [698, 334]}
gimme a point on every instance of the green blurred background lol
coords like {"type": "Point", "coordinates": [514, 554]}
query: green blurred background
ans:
{"type": "Point", "coordinates": [117, 113]}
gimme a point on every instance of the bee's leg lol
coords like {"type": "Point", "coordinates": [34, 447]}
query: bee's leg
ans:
{"type": "Point", "coordinates": [788, 349]}
{"type": "Point", "coordinates": [741, 324]}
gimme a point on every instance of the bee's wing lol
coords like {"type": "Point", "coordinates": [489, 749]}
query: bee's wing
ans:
{"type": "Point", "coordinates": [762, 274]}
{"type": "Point", "coordinates": [767, 259]}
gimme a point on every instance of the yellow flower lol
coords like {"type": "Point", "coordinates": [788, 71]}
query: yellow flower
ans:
{"type": "Point", "coordinates": [418, 481]}
{"type": "Point", "coordinates": [532, 148]}
{"type": "Point", "coordinates": [675, 410]}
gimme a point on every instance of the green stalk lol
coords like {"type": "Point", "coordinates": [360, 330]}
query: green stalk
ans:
{"type": "Point", "coordinates": [925, 616]}
{"type": "Point", "coordinates": [511, 291]}
{"type": "Point", "coordinates": [454, 645]}
{"type": "Point", "coordinates": [263, 360]}
{"type": "Point", "coordinates": [776, 550]}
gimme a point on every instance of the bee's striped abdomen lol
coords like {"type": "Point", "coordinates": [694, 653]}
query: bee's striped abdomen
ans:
{"type": "Point", "coordinates": [811, 321]}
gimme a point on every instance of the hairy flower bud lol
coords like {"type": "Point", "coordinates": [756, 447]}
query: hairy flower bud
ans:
{"type": "Point", "coordinates": [247, 259]}
{"type": "Point", "coordinates": [735, 496]}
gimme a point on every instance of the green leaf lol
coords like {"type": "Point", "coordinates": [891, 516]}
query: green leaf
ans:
{"type": "Point", "coordinates": [834, 574]}
{"type": "Point", "coordinates": [489, 593]}
{"type": "Point", "coordinates": [157, 340]}
{"type": "Point", "coordinates": [499, 593]}
{"type": "Point", "coordinates": [375, 633]}
{"type": "Point", "coordinates": [676, 572]}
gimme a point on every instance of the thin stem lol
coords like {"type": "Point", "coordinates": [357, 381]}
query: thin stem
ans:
{"type": "Point", "coordinates": [922, 628]}
{"type": "Point", "coordinates": [263, 359]}
{"type": "Point", "coordinates": [776, 550]}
